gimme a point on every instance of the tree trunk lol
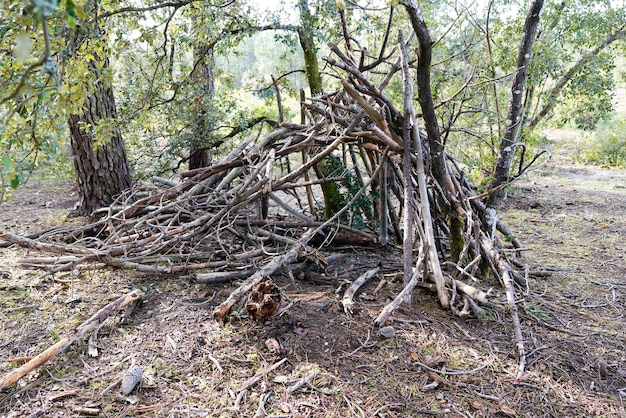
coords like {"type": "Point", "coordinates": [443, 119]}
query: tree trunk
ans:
{"type": "Point", "coordinates": [200, 146]}
{"type": "Point", "coordinates": [100, 163]}
{"type": "Point", "coordinates": [437, 148]}
{"type": "Point", "coordinates": [307, 42]}
{"type": "Point", "coordinates": [330, 191]}
{"type": "Point", "coordinates": [514, 116]}
{"type": "Point", "coordinates": [425, 96]}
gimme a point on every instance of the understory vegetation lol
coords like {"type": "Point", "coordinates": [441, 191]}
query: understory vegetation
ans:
{"type": "Point", "coordinates": [605, 146]}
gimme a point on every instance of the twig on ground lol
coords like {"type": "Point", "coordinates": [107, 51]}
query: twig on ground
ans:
{"type": "Point", "coordinates": [453, 372]}
{"type": "Point", "coordinates": [390, 308]}
{"type": "Point", "coordinates": [216, 362]}
{"type": "Point", "coordinates": [347, 301]}
{"type": "Point", "coordinates": [254, 379]}
{"type": "Point", "coordinates": [91, 324]}
{"type": "Point", "coordinates": [304, 381]}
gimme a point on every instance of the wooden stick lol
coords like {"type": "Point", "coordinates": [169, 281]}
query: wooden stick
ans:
{"type": "Point", "coordinates": [224, 308]}
{"type": "Point", "coordinates": [308, 188]}
{"type": "Point", "coordinates": [92, 323]}
{"type": "Point", "coordinates": [223, 276]}
{"type": "Point", "coordinates": [407, 176]}
{"type": "Point", "coordinates": [254, 379]}
{"type": "Point", "coordinates": [308, 224]}
{"type": "Point", "coordinates": [383, 234]}
{"type": "Point", "coordinates": [304, 381]}
{"type": "Point", "coordinates": [53, 248]}
{"type": "Point", "coordinates": [402, 296]}
{"type": "Point", "coordinates": [505, 274]}
{"type": "Point", "coordinates": [423, 191]}
{"type": "Point", "coordinates": [474, 293]}
{"type": "Point", "coordinates": [347, 301]}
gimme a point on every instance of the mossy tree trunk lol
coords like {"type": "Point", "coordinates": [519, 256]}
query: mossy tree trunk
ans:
{"type": "Point", "coordinates": [330, 191]}
{"type": "Point", "coordinates": [333, 200]}
{"type": "Point", "coordinates": [309, 49]}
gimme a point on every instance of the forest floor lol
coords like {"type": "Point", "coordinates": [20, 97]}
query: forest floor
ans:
{"type": "Point", "coordinates": [571, 220]}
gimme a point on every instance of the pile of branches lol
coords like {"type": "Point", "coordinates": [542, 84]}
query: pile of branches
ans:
{"type": "Point", "coordinates": [260, 206]}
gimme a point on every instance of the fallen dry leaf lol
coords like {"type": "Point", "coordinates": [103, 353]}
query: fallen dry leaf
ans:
{"type": "Point", "coordinates": [301, 331]}
{"type": "Point", "coordinates": [281, 378]}
{"type": "Point", "coordinates": [476, 404]}
{"type": "Point", "coordinates": [273, 346]}
{"type": "Point", "coordinates": [508, 411]}
{"type": "Point", "coordinates": [437, 378]}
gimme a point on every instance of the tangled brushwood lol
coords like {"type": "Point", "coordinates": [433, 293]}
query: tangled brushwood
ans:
{"type": "Point", "coordinates": [356, 171]}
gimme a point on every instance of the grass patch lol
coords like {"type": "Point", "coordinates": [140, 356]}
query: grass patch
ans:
{"type": "Point", "coordinates": [606, 146]}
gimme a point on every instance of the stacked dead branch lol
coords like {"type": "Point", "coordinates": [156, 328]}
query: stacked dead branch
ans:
{"type": "Point", "coordinates": [257, 210]}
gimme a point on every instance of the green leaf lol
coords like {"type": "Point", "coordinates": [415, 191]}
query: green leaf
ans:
{"type": "Point", "coordinates": [17, 180]}
{"type": "Point", "coordinates": [71, 20]}
{"type": "Point", "coordinates": [7, 163]}
{"type": "Point", "coordinates": [70, 8]}
{"type": "Point", "coordinates": [80, 12]}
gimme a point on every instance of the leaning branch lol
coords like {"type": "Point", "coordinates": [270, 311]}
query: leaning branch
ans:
{"type": "Point", "coordinates": [348, 298]}
{"type": "Point", "coordinates": [131, 9]}
{"type": "Point", "coordinates": [224, 308]}
{"type": "Point", "coordinates": [429, 234]}
{"type": "Point", "coordinates": [569, 75]}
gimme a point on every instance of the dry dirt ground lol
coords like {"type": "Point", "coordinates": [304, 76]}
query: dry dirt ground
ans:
{"type": "Point", "coordinates": [570, 219]}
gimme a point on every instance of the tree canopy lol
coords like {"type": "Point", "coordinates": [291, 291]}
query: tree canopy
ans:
{"type": "Point", "coordinates": [49, 51]}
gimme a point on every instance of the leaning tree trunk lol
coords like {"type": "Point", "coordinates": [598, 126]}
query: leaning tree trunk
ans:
{"type": "Point", "coordinates": [425, 97]}
{"type": "Point", "coordinates": [514, 116]}
{"type": "Point", "coordinates": [100, 163]}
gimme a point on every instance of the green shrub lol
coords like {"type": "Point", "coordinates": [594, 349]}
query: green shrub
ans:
{"type": "Point", "coordinates": [605, 146]}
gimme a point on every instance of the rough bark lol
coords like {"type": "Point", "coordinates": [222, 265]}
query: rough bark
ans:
{"type": "Point", "coordinates": [436, 145]}
{"type": "Point", "coordinates": [101, 168]}
{"type": "Point", "coordinates": [327, 168]}
{"type": "Point", "coordinates": [199, 150]}
{"type": "Point", "coordinates": [514, 115]}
